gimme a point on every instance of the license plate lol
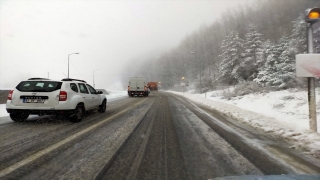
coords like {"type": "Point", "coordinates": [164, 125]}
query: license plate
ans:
{"type": "Point", "coordinates": [33, 100]}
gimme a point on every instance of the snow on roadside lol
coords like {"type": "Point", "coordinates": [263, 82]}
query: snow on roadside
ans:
{"type": "Point", "coordinates": [3, 111]}
{"type": "Point", "coordinates": [116, 93]}
{"type": "Point", "coordinates": [282, 113]}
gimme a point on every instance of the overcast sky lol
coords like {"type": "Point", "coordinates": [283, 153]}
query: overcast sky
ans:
{"type": "Point", "coordinates": [36, 36]}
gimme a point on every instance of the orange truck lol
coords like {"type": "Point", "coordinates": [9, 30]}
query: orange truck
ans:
{"type": "Point", "coordinates": [153, 86]}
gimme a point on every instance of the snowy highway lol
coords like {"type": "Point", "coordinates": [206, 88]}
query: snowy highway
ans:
{"type": "Point", "coordinates": [231, 90]}
{"type": "Point", "coordinates": [164, 136]}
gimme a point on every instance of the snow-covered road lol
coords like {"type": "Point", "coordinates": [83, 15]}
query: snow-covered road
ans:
{"type": "Point", "coordinates": [281, 113]}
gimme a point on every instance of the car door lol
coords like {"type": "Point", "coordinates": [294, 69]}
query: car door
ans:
{"type": "Point", "coordinates": [85, 95]}
{"type": "Point", "coordinates": [95, 97]}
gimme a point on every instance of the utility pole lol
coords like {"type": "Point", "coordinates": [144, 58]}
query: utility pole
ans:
{"type": "Point", "coordinates": [93, 77]}
{"type": "Point", "coordinates": [68, 61]}
{"type": "Point", "coordinates": [311, 16]}
{"type": "Point", "coordinates": [311, 86]}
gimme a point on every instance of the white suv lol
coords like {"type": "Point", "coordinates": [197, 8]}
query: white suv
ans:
{"type": "Point", "coordinates": [40, 96]}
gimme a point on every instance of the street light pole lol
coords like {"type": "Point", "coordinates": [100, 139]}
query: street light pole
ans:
{"type": "Point", "coordinates": [311, 86]}
{"type": "Point", "coordinates": [68, 61]}
{"type": "Point", "coordinates": [312, 16]}
{"type": "Point", "coordinates": [93, 77]}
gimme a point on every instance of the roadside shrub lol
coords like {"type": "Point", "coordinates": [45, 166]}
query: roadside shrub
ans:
{"type": "Point", "coordinates": [227, 95]}
{"type": "Point", "coordinates": [287, 98]}
{"type": "Point", "coordinates": [278, 106]}
{"type": "Point", "coordinates": [244, 89]}
{"type": "Point", "coordinates": [250, 87]}
{"type": "Point", "coordinates": [301, 83]}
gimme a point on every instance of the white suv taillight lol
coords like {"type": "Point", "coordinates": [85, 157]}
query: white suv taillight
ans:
{"type": "Point", "coordinates": [63, 96]}
{"type": "Point", "coordinates": [10, 95]}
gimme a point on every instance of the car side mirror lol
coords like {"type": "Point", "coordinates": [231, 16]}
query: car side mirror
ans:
{"type": "Point", "coordinates": [99, 92]}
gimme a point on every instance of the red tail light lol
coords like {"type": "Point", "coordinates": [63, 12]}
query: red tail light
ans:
{"type": "Point", "coordinates": [63, 96]}
{"type": "Point", "coordinates": [10, 95]}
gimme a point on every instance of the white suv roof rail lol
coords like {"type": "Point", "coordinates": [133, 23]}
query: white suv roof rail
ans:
{"type": "Point", "coordinates": [70, 79]}
{"type": "Point", "coordinates": [38, 78]}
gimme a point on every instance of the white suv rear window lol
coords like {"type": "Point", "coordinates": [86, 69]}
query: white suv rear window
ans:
{"type": "Point", "coordinates": [38, 86]}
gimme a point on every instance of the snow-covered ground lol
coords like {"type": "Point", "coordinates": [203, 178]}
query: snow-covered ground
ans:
{"type": "Point", "coordinates": [3, 111]}
{"type": "Point", "coordinates": [281, 113]}
{"type": "Point", "coordinates": [116, 94]}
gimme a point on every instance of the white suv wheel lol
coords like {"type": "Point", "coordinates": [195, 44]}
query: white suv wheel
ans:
{"type": "Point", "coordinates": [78, 114]}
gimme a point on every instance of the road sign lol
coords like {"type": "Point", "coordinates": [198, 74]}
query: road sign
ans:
{"type": "Point", "coordinates": [308, 65]}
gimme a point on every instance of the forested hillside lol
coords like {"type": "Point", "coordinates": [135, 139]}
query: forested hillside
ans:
{"type": "Point", "coordinates": [253, 43]}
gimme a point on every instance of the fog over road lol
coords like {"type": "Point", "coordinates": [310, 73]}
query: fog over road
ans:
{"type": "Point", "coordinates": [163, 136]}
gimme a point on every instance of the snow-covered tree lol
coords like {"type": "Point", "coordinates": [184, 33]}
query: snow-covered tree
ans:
{"type": "Point", "coordinates": [269, 57]}
{"type": "Point", "coordinates": [279, 69]}
{"type": "Point", "coordinates": [298, 38]}
{"type": "Point", "coordinates": [272, 18]}
{"type": "Point", "coordinates": [252, 54]}
{"type": "Point", "coordinates": [285, 69]}
{"type": "Point", "coordinates": [316, 37]}
{"type": "Point", "coordinates": [232, 50]}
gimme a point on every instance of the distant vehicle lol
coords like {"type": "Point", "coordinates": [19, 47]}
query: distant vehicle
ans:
{"type": "Point", "coordinates": [153, 86]}
{"type": "Point", "coordinates": [40, 96]}
{"type": "Point", "coordinates": [137, 86]}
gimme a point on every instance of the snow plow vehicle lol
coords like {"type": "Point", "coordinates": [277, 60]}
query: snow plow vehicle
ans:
{"type": "Point", "coordinates": [153, 86]}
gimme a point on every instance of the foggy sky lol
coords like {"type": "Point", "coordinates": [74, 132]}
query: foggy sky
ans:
{"type": "Point", "coordinates": [36, 36]}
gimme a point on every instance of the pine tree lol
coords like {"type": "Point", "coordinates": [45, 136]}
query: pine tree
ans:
{"type": "Point", "coordinates": [232, 49]}
{"type": "Point", "coordinates": [265, 72]}
{"type": "Point", "coordinates": [317, 38]}
{"type": "Point", "coordinates": [252, 54]}
{"type": "Point", "coordinates": [285, 69]}
{"type": "Point", "coordinates": [279, 69]}
{"type": "Point", "coordinates": [299, 35]}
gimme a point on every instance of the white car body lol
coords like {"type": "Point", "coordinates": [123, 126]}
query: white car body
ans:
{"type": "Point", "coordinates": [60, 99]}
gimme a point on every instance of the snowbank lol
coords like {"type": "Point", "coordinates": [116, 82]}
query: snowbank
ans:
{"type": "Point", "coordinates": [282, 113]}
{"type": "Point", "coordinates": [3, 111]}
